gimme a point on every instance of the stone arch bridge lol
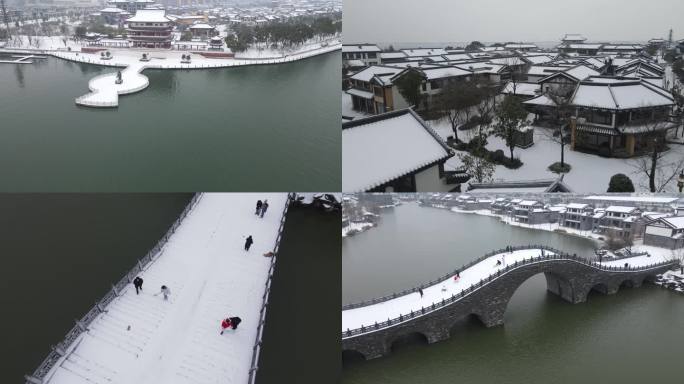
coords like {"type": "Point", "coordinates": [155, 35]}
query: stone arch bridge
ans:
{"type": "Point", "coordinates": [483, 289]}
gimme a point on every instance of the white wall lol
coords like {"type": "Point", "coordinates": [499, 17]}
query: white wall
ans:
{"type": "Point", "coordinates": [658, 231]}
{"type": "Point", "coordinates": [429, 181]}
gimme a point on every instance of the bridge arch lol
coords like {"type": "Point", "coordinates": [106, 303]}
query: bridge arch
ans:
{"type": "Point", "coordinates": [408, 338]}
{"type": "Point", "coordinates": [352, 355]}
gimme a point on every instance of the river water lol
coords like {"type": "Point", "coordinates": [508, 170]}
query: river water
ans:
{"type": "Point", "coordinates": [257, 128]}
{"type": "Point", "coordinates": [635, 335]}
{"type": "Point", "coordinates": [301, 342]}
{"type": "Point", "coordinates": [60, 254]}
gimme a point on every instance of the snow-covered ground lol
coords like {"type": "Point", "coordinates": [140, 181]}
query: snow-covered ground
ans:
{"type": "Point", "coordinates": [590, 173]}
{"type": "Point", "coordinates": [348, 109]}
{"type": "Point", "coordinates": [356, 228]}
{"type": "Point", "coordinates": [145, 339]}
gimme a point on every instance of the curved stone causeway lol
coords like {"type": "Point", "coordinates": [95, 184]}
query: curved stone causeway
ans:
{"type": "Point", "coordinates": [483, 289]}
{"type": "Point", "coordinates": [105, 92]}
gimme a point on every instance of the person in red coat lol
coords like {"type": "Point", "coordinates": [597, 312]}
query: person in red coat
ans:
{"type": "Point", "coordinates": [225, 324]}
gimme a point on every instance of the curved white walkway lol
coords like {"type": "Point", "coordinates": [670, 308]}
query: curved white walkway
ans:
{"type": "Point", "coordinates": [144, 339]}
{"type": "Point", "coordinates": [368, 315]}
{"type": "Point", "coordinates": [105, 91]}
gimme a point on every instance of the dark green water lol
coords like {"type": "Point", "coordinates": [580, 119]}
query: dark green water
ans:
{"type": "Point", "coordinates": [260, 128]}
{"type": "Point", "coordinates": [301, 342]}
{"type": "Point", "coordinates": [635, 336]}
{"type": "Point", "coordinates": [60, 254]}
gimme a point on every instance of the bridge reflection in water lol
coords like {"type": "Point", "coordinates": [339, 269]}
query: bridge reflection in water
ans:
{"type": "Point", "coordinates": [483, 289]}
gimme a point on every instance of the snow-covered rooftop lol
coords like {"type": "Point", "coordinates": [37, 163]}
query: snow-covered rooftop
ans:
{"type": "Point", "coordinates": [444, 72]}
{"type": "Point", "coordinates": [424, 52]}
{"type": "Point", "coordinates": [357, 48]}
{"type": "Point", "coordinates": [367, 74]}
{"type": "Point", "coordinates": [526, 89]}
{"type": "Point", "coordinates": [382, 148]}
{"type": "Point", "coordinates": [624, 95]}
{"type": "Point", "coordinates": [676, 221]}
{"type": "Point", "coordinates": [620, 209]}
{"type": "Point", "coordinates": [149, 16]}
{"type": "Point", "coordinates": [635, 199]}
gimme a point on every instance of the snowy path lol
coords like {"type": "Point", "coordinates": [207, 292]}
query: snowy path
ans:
{"type": "Point", "coordinates": [144, 339]}
{"type": "Point", "coordinates": [444, 289]}
{"type": "Point", "coordinates": [105, 92]}
{"type": "Point", "coordinates": [590, 173]}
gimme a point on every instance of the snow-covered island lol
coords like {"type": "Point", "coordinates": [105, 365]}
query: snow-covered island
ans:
{"type": "Point", "coordinates": [362, 212]}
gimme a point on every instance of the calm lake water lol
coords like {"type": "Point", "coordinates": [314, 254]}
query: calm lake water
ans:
{"type": "Point", "coordinates": [259, 128]}
{"type": "Point", "coordinates": [633, 336]}
{"type": "Point", "coordinates": [60, 254]}
{"type": "Point", "coordinates": [301, 341]}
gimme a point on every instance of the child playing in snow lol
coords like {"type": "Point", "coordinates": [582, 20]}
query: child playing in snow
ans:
{"type": "Point", "coordinates": [225, 324]}
{"type": "Point", "coordinates": [165, 291]}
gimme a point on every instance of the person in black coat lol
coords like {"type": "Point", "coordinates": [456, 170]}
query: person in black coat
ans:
{"type": "Point", "coordinates": [138, 282]}
{"type": "Point", "coordinates": [258, 207]}
{"type": "Point", "coordinates": [248, 242]}
{"type": "Point", "coordinates": [264, 207]}
{"type": "Point", "coordinates": [234, 322]}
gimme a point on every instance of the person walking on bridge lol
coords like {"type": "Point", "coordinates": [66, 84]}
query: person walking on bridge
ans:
{"type": "Point", "coordinates": [248, 242]}
{"type": "Point", "coordinates": [420, 290]}
{"type": "Point", "coordinates": [234, 322]}
{"type": "Point", "coordinates": [264, 207]}
{"type": "Point", "coordinates": [165, 291]}
{"type": "Point", "coordinates": [225, 324]}
{"type": "Point", "coordinates": [138, 282]}
{"type": "Point", "coordinates": [258, 207]}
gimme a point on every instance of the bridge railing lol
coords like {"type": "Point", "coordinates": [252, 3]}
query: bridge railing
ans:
{"type": "Point", "coordinates": [256, 349]}
{"type": "Point", "coordinates": [81, 326]}
{"type": "Point", "coordinates": [552, 255]}
{"type": "Point", "coordinates": [444, 277]}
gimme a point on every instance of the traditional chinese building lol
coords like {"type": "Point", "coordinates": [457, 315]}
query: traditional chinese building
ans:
{"type": "Point", "coordinates": [150, 28]}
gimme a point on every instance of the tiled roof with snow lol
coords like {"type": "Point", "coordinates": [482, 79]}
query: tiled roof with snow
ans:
{"type": "Point", "coordinates": [620, 209]}
{"type": "Point", "coordinates": [368, 73]}
{"type": "Point", "coordinates": [392, 55]}
{"type": "Point", "coordinates": [624, 95]}
{"type": "Point", "coordinates": [526, 89]}
{"type": "Point", "coordinates": [351, 48]}
{"type": "Point", "coordinates": [424, 52]}
{"type": "Point", "coordinates": [574, 37]}
{"type": "Point", "coordinates": [382, 148]}
{"type": "Point", "coordinates": [149, 16]}
{"type": "Point", "coordinates": [577, 206]}
{"type": "Point", "coordinates": [444, 72]}
{"type": "Point", "coordinates": [539, 59]}
{"type": "Point", "coordinates": [676, 222]}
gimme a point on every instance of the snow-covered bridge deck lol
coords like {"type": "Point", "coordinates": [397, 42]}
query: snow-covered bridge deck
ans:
{"type": "Point", "coordinates": [145, 339]}
{"type": "Point", "coordinates": [361, 317]}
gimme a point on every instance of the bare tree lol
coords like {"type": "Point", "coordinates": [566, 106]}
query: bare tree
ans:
{"type": "Point", "coordinates": [561, 97]}
{"type": "Point", "coordinates": [486, 106]}
{"type": "Point", "coordinates": [655, 166]}
{"type": "Point", "coordinates": [478, 167]}
{"type": "Point", "coordinates": [511, 117]}
{"type": "Point", "coordinates": [455, 101]}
